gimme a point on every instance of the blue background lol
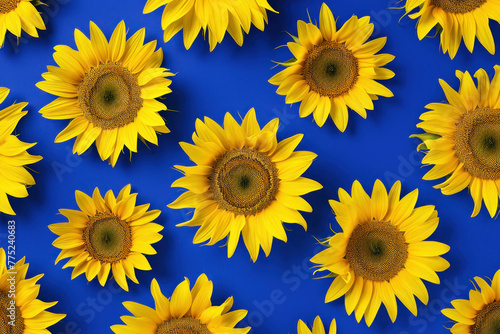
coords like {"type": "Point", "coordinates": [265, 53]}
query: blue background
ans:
{"type": "Point", "coordinates": [277, 290]}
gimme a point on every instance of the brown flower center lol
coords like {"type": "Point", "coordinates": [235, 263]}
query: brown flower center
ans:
{"type": "Point", "coordinates": [244, 181]}
{"type": "Point", "coordinates": [11, 320]}
{"type": "Point", "coordinates": [330, 69]}
{"type": "Point", "coordinates": [458, 6]}
{"type": "Point", "coordinates": [107, 238]}
{"type": "Point", "coordinates": [477, 142]}
{"type": "Point", "coordinates": [376, 251]}
{"type": "Point", "coordinates": [487, 320]}
{"type": "Point", "coordinates": [186, 325]}
{"type": "Point", "coordinates": [110, 96]}
{"type": "Point", "coordinates": [7, 6]}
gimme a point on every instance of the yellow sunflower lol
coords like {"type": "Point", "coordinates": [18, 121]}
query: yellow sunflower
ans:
{"type": "Point", "coordinates": [109, 234]}
{"type": "Point", "coordinates": [481, 313]}
{"type": "Point", "coordinates": [334, 69]}
{"type": "Point", "coordinates": [456, 20]}
{"type": "Point", "coordinates": [217, 16]}
{"type": "Point", "coordinates": [462, 139]}
{"type": "Point", "coordinates": [20, 311]}
{"type": "Point", "coordinates": [187, 311]}
{"type": "Point", "coordinates": [318, 327]}
{"type": "Point", "coordinates": [17, 15]}
{"type": "Point", "coordinates": [381, 253]}
{"type": "Point", "coordinates": [245, 182]}
{"type": "Point", "coordinates": [13, 155]}
{"type": "Point", "coordinates": [108, 90]}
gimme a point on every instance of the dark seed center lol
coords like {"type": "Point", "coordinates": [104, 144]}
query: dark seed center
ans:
{"type": "Point", "coordinates": [487, 320]}
{"type": "Point", "coordinates": [458, 6]}
{"type": "Point", "coordinates": [11, 320]}
{"type": "Point", "coordinates": [6, 6]}
{"type": "Point", "coordinates": [186, 325]}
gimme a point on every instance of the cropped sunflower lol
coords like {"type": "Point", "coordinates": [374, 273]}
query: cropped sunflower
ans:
{"type": "Point", "coordinates": [18, 15]}
{"type": "Point", "coordinates": [480, 314]}
{"type": "Point", "coordinates": [13, 155]}
{"type": "Point", "coordinates": [215, 16]}
{"type": "Point", "coordinates": [463, 139]}
{"type": "Point", "coordinates": [187, 311]}
{"type": "Point", "coordinates": [318, 327]}
{"type": "Point", "coordinates": [381, 253]}
{"type": "Point", "coordinates": [245, 182]}
{"type": "Point", "coordinates": [20, 311]}
{"type": "Point", "coordinates": [456, 20]}
{"type": "Point", "coordinates": [108, 90]}
{"type": "Point", "coordinates": [334, 69]}
{"type": "Point", "coordinates": [108, 235]}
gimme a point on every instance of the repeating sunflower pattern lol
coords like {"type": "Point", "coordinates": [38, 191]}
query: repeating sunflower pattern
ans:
{"type": "Point", "coordinates": [245, 183]}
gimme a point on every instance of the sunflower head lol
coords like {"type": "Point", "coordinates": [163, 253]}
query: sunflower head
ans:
{"type": "Point", "coordinates": [333, 69]}
{"type": "Point", "coordinates": [244, 182]}
{"type": "Point", "coordinates": [108, 89]}
{"type": "Point", "coordinates": [381, 252]}
{"type": "Point", "coordinates": [187, 311]}
{"type": "Point", "coordinates": [317, 328]}
{"type": "Point", "coordinates": [462, 139]}
{"type": "Point", "coordinates": [21, 312]}
{"type": "Point", "coordinates": [480, 314]}
{"type": "Point", "coordinates": [213, 17]}
{"type": "Point", "coordinates": [108, 234]}
{"type": "Point", "coordinates": [20, 15]}
{"type": "Point", "coordinates": [13, 155]}
{"type": "Point", "coordinates": [455, 20]}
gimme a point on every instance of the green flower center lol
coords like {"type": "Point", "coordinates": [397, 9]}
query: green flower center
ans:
{"type": "Point", "coordinates": [107, 238]}
{"type": "Point", "coordinates": [458, 6]}
{"type": "Point", "coordinates": [244, 181]}
{"type": "Point", "coordinates": [7, 6]}
{"type": "Point", "coordinates": [330, 69]}
{"type": "Point", "coordinates": [110, 96]}
{"type": "Point", "coordinates": [477, 142]}
{"type": "Point", "coordinates": [11, 320]}
{"type": "Point", "coordinates": [376, 251]}
{"type": "Point", "coordinates": [186, 325]}
{"type": "Point", "coordinates": [487, 320]}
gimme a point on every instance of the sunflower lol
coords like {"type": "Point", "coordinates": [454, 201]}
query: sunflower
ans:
{"type": "Point", "coordinates": [108, 90]}
{"type": "Point", "coordinates": [462, 139]}
{"type": "Point", "coordinates": [13, 155]}
{"type": "Point", "coordinates": [334, 69]}
{"type": "Point", "coordinates": [17, 15]}
{"type": "Point", "coordinates": [245, 182]}
{"type": "Point", "coordinates": [218, 16]}
{"type": "Point", "coordinates": [187, 311]}
{"type": "Point", "coordinates": [456, 19]}
{"type": "Point", "coordinates": [109, 234]}
{"type": "Point", "coordinates": [20, 311]}
{"type": "Point", "coordinates": [318, 327]}
{"type": "Point", "coordinates": [381, 253]}
{"type": "Point", "coordinates": [481, 313]}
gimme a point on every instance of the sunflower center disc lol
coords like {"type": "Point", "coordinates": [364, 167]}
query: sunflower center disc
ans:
{"type": "Point", "coordinates": [110, 96]}
{"type": "Point", "coordinates": [186, 325]}
{"type": "Point", "coordinates": [7, 6]}
{"type": "Point", "coordinates": [477, 142]}
{"type": "Point", "coordinates": [244, 181]}
{"type": "Point", "coordinates": [9, 315]}
{"type": "Point", "coordinates": [330, 69]}
{"type": "Point", "coordinates": [376, 251]}
{"type": "Point", "coordinates": [107, 238]}
{"type": "Point", "coordinates": [458, 6]}
{"type": "Point", "coordinates": [487, 320]}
